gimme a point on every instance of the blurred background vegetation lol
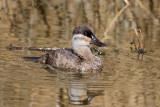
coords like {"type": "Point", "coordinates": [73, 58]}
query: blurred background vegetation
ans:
{"type": "Point", "coordinates": [31, 21]}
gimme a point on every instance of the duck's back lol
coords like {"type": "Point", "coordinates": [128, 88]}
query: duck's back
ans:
{"type": "Point", "coordinates": [61, 58]}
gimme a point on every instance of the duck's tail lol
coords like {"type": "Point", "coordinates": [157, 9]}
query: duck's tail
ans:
{"type": "Point", "coordinates": [34, 59]}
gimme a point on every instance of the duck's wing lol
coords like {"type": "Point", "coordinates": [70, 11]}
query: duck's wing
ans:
{"type": "Point", "coordinates": [61, 58]}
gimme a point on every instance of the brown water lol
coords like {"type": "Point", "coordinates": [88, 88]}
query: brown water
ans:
{"type": "Point", "coordinates": [124, 80]}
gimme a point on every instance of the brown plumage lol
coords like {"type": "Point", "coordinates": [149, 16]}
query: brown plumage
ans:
{"type": "Point", "coordinates": [66, 58]}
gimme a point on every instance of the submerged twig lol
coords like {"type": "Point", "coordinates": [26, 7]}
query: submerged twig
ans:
{"type": "Point", "coordinates": [10, 47]}
{"type": "Point", "coordinates": [97, 50]}
{"type": "Point", "coordinates": [30, 48]}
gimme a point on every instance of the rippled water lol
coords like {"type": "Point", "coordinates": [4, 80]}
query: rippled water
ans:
{"type": "Point", "coordinates": [124, 80]}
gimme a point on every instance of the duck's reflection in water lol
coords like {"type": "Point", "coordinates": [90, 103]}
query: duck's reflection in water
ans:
{"type": "Point", "coordinates": [79, 94]}
{"type": "Point", "coordinates": [78, 88]}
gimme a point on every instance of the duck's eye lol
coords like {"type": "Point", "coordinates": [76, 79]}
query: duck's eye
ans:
{"type": "Point", "coordinates": [88, 34]}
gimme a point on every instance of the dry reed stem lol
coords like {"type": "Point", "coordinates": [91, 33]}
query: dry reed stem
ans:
{"type": "Point", "coordinates": [140, 48]}
{"type": "Point", "coordinates": [115, 19]}
{"type": "Point", "coordinates": [140, 38]}
{"type": "Point", "coordinates": [137, 32]}
{"type": "Point", "coordinates": [145, 9]}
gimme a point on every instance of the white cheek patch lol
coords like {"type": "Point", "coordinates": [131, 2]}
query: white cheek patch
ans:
{"type": "Point", "coordinates": [78, 40]}
{"type": "Point", "coordinates": [78, 36]}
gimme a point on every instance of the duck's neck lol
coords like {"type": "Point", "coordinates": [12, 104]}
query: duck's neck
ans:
{"type": "Point", "coordinates": [83, 52]}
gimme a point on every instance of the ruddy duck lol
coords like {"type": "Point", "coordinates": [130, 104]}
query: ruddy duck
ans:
{"type": "Point", "coordinates": [80, 56]}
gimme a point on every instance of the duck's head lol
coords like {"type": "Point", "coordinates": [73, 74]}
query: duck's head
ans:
{"type": "Point", "coordinates": [83, 36]}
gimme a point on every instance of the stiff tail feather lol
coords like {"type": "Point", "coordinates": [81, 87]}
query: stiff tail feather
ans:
{"type": "Point", "coordinates": [34, 59]}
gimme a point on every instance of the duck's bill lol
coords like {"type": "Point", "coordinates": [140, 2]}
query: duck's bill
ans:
{"type": "Point", "coordinates": [97, 42]}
